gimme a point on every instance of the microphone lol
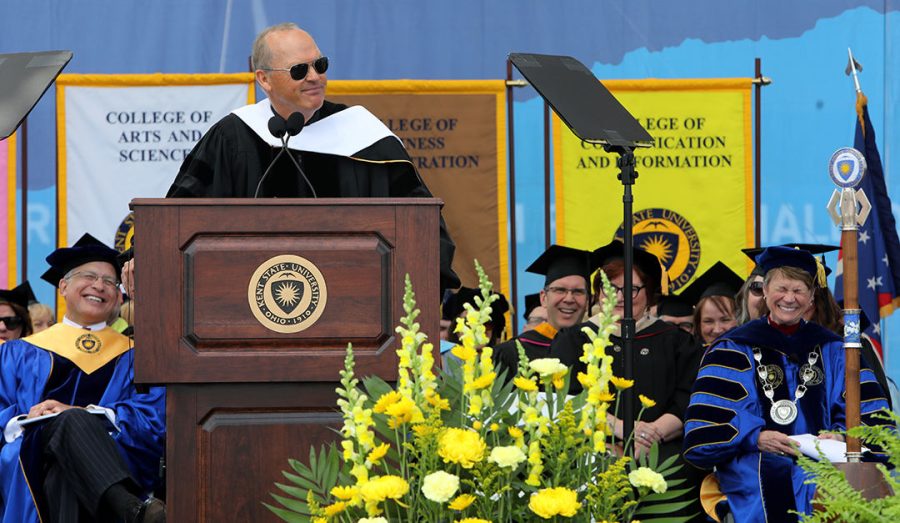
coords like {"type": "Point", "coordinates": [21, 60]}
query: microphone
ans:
{"type": "Point", "coordinates": [285, 129]}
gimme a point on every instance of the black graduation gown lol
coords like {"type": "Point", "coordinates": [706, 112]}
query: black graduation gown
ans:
{"type": "Point", "coordinates": [536, 343]}
{"type": "Point", "coordinates": [230, 159]}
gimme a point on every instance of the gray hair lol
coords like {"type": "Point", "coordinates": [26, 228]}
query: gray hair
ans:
{"type": "Point", "coordinates": [262, 55]}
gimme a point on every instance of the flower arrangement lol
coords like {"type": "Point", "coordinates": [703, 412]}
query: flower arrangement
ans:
{"type": "Point", "coordinates": [466, 445]}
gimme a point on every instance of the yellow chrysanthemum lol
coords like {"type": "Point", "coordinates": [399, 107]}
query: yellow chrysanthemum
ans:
{"type": "Point", "coordinates": [403, 411]}
{"type": "Point", "coordinates": [344, 493]}
{"type": "Point", "coordinates": [335, 508]}
{"type": "Point", "coordinates": [621, 383]}
{"type": "Point", "coordinates": [461, 502]}
{"type": "Point", "coordinates": [645, 401]}
{"type": "Point", "coordinates": [551, 502]}
{"type": "Point", "coordinates": [461, 446]}
{"type": "Point", "coordinates": [423, 430]}
{"type": "Point", "coordinates": [377, 453]}
{"type": "Point", "coordinates": [386, 400]}
{"type": "Point", "coordinates": [525, 384]}
{"type": "Point", "coordinates": [381, 488]}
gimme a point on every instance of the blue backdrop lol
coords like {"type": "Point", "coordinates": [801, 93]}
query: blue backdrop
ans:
{"type": "Point", "coordinates": [807, 112]}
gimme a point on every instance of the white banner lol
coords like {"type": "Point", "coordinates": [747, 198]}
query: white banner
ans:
{"type": "Point", "coordinates": [126, 139]}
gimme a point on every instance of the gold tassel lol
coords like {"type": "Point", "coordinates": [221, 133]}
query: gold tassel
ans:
{"type": "Point", "coordinates": [821, 278]}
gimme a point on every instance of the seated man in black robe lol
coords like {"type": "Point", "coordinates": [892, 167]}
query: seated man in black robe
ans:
{"type": "Point", "coordinates": [342, 152]}
{"type": "Point", "coordinates": [565, 296]}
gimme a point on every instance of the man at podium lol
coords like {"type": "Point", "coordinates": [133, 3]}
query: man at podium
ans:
{"type": "Point", "coordinates": [341, 152]}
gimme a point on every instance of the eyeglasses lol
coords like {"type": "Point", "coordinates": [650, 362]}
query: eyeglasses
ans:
{"type": "Point", "coordinates": [299, 71]}
{"type": "Point", "coordinates": [635, 289]}
{"type": "Point", "coordinates": [561, 292]}
{"type": "Point", "coordinates": [756, 288]}
{"type": "Point", "coordinates": [11, 322]}
{"type": "Point", "coordinates": [92, 277]}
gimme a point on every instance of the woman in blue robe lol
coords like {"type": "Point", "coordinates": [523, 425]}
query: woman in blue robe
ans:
{"type": "Point", "coordinates": [772, 378]}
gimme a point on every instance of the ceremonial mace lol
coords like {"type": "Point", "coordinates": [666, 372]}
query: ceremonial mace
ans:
{"type": "Point", "coordinates": [847, 168]}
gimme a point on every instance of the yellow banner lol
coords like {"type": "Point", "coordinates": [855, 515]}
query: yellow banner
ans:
{"type": "Point", "coordinates": [8, 229]}
{"type": "Point", "coordinates": [455, 133]}
{"type": "Point", "coordinates": [693, 197]}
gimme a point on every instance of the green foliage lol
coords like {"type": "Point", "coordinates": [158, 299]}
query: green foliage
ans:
{"type": "Point", "coordinates": [837, 500]}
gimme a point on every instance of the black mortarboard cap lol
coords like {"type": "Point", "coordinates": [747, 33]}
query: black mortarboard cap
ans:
{"type": "Point", "coordinates": [21, 295]}
{"type": "Point", "coordinates": [453, 306]}
{"type": "Point", "coordinates": [559, 261]}
{"type": "Point", "coordinates": [87, 249]}
{"type": "Point", "coordinates": [674, 305]}
{"type": "Point", "coordinates": [648, 263]}
{"type": "Point", "coordinates": [532, 301]}
{"type": "Point", "coordinates": [718, 280]}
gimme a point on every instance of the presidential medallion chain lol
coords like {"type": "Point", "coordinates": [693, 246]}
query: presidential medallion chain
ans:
{"type": "Point", "coordinates": [784, 412]}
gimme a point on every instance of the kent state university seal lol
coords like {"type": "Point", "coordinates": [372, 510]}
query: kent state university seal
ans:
{"type": "Point", "coordinates": [88, 343]}
{"type": "Point", "coordinates": [125, 233]}
{"type": "Point", "coordinates": [671, 238]}
{"type": "Point", "coordinates": [287, 293]}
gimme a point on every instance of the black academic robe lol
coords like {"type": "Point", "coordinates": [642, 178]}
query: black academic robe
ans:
{"type": "Point", "coordinates": [666, 359]}
{"type": "Point", "coordinates": [230, 159]}
{"type": "Point", "coordinates": [536, 343]}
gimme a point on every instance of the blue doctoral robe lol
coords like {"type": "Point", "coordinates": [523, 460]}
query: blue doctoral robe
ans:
{"type": "Point", "coordinates": [30, 374]}
{"type": "Point", "coordinates": [728, 410]}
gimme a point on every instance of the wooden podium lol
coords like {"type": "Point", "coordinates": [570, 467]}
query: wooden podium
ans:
{"type": "Point", "coordinates": [223, 287]}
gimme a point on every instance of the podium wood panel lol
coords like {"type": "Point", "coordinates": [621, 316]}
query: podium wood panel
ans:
{"type": "Point", "coordinates": [242, 399]}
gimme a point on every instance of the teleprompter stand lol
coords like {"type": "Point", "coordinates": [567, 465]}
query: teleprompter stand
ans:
{"type": "Point", "coordinates": [595, 116]}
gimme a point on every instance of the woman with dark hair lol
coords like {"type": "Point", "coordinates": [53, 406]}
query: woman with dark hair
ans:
{"type": "Point", "coordinates": [713, 293]}
{"type": "Point", "coordinates": [665, 358]}
{"type": "Point", "coordinates": [765, 381]}
{"type": "Point", "coordinates": [15, 322]}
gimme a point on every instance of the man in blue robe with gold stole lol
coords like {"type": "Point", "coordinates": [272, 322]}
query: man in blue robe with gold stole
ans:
{"type": "Point", "coordinates": [80, 442]}
{"type": "Point", "coordinates": [772, 378]}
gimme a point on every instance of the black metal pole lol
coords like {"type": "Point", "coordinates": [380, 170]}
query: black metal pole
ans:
{"type": "Point", "coordinates": [627, 174]}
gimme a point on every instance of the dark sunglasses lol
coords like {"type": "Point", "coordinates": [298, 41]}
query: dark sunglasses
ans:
{"type": "Point", "coordinates": [299, 71]}
{"type": "Point", "coordinates": [756, 288]}
{"type": "Point", "coordinates": [11, 322]}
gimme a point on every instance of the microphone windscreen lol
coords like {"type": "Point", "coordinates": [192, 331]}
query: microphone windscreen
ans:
{"type": "Point", "coordinates": [295, 123]}
{"type": "Point", "coordinates": [277, 126]}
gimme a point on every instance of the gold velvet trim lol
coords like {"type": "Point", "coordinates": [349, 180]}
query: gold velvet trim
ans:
{"type": "Point", "coordinates": [88, 350]}
{"type": "Point", "coordinates": [711, 495]}
{"type": "Point", "coordinates": [546, 330]}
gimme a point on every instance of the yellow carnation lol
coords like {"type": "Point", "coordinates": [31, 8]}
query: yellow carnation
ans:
{"type": "Point", "coordinates": [440, 486]}
{"type": "Point", "coordinates": [335, 508]}
{"type": "Point", "coordinates": [373, 520]}
{"type": "Point", "coordinates": [484, 381]}
{"type": "Point", "coordinates": [461, 446]}
{"type": "Point", "coordinates": [547, 367]}
{"type": "Point", "coordinates": [645, 477]}
{"type": "Point", "coordinates": [473, 520]}
{"type": "Point", "coordinates": [621, 383]}
{"type": "Point", "coordinates": [507, 457]}
{"type": "Point", "coordinates": [464, 353]}
{"type": "Point", "coordinates": [525, 384]}
{"type": "Point", "coordinates": [381, 488]}
{"type": "Point", "coordinates": [461, 502]}
{"type": "Point", "coordinates": [377, 453]}
{"type": "Point", "coordinates": [386, 400]}
{"type": "Point", "coordinates": [645, 401]}
{"type": "Point", "coordinates": [558, 501]}
{"type": "Point", "coordinates": [344, 493]}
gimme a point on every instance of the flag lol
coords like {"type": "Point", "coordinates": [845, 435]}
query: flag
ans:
{"type": "Point", "coordinates": [878, 244]}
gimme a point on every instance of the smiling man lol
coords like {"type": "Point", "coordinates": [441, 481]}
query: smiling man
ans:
{"type": "Point", "coordinates": [565, 297]}
{"type": "Point", "coordinates": [79, 442]}
{"type": "Point", "coordinates": [342, 151]}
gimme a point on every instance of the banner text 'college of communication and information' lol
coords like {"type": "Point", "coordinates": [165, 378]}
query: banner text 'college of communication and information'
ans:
{"type": "Point", "coordinates": [693, 198]}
